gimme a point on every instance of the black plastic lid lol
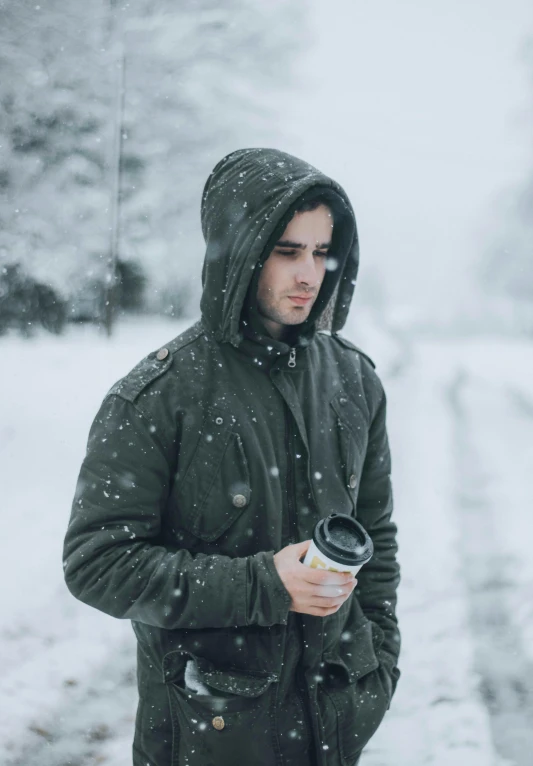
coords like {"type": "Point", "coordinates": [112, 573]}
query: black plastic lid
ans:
{"type": "Point", "coordinates": [343, 539]}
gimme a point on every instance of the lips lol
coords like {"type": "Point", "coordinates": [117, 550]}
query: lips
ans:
{"type": "Point", "coordinates": [300, 300]}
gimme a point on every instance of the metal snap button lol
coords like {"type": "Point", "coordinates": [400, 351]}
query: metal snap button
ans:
{"type": "Point", "coordinates": [219, 421]}
{"type": "Point", "coordinates": [218, 722]}
{"type": "Point", "coordinates": [239, 501]}
{"type": "Point", "coordinates": [353, 481]}
{"type": "Point", "coordinates": [162, 354]}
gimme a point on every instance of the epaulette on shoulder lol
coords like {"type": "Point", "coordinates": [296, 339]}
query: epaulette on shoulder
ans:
{"type": "Point", "coordinates": [348, 344]}
{"type": "Point", "coordinates": [152, 366]}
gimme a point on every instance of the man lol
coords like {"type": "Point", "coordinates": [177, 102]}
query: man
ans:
{"type": "Point", "coordinates": [207, 469]}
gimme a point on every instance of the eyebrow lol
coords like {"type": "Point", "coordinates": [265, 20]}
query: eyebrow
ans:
{"type": "Point", "coordinates": [299, 246]}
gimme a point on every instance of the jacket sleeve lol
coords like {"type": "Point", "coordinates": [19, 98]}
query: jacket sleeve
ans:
{"type": "Point", "coordinates": [378, 580]}
{"type": "Point", "coordinates": [113, 561]}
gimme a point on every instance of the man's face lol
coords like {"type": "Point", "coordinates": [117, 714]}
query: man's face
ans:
{"type": "Point", "coordinates": [293, 272]}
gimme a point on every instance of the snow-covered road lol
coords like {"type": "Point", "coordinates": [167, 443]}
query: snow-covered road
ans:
{"type": "Point", "coordinates": [436, 717]}
{"type": "Point", "coordinates": [460, 420]}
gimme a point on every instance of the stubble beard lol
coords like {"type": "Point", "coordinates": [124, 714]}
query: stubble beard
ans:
{"type": "Point", "coordinates": [271, 309]}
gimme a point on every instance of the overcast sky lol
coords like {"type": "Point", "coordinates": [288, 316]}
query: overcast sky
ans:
{"type": "Point", "coordinates": [423, 111]}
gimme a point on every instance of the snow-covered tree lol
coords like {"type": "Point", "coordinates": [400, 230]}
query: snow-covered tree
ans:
{"type": "Point", "coordinates": [201, 79]}
{"type": "Point", "coordinates": [505, 266]}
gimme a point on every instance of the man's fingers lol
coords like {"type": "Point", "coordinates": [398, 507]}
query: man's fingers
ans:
{"type": "Point", "coordinates": [319, 592]}
{"type": "Point", "coordinates": [333, 591]}
{"type": "Point", "coordinates": [325, 577]}
{"type": "Point", "coordinates": [299, 549]}
{"type": "Point", "coordinates": [319, 589]}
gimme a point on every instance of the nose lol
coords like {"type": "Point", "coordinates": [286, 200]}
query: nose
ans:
{"type": "Point", "coordinates": [307, 272]}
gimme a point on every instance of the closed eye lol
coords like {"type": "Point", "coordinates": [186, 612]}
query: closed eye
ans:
{"type": "Point", "coordinates": [297, 252]}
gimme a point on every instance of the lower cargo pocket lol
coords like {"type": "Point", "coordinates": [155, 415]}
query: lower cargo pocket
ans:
{"type": "Point", "coordinates": [359, 709]}
{"type": "Point", "coordinates": [230, 725]}
{"type": "Point", "coordinates": [355, 693]}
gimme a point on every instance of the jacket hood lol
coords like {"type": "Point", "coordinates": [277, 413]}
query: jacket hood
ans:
{"type": "Point", "coordinates": [248, 200]}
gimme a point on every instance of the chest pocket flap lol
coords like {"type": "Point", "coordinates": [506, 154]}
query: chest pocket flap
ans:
{"type": "Point", "coordinates": [214, 489]}
{"type": "Point", "coordinates": [352, 426]}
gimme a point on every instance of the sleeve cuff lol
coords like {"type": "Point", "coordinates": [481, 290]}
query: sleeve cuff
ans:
{"type": "Point", "coordinates": [268, 599]}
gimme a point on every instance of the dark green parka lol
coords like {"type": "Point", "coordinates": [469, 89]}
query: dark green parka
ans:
{"type": "Point", "coordinates": [211, 455]}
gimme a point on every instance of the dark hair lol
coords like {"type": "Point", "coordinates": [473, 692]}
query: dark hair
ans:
{"type": "Point", "coordinates": [312, 204]}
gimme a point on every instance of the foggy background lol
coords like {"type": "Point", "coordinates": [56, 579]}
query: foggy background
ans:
{"type": "Point", "coordinates": [111, 118]}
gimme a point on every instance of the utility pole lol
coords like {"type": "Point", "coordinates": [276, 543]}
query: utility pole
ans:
{"type": "Point", "coordinates": [116, 44]}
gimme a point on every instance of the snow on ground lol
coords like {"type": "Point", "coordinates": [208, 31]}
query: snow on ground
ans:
{"type": "Point", "coordinates": [51, 645]}
{"type": "Point", "coordinates": [493, 408]}
{"type": "Point", "coordinates": [460, 416]}
{"type": "Point", "coordinates": [510, 404]}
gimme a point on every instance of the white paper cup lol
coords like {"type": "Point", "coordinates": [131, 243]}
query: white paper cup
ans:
{"type": "Point", "coordinates": [318, 560]}
{"type": "Point", "coordinates": [339, 544]}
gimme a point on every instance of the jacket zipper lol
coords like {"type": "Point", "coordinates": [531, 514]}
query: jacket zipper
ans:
{"type": "Point", "coordinates": [300, 688]}
{"type": "Point", "coordinates": [292, 358]}
{"type": "Point", "coordinates": [291, 494]}
{"type": "Point", "coordinates": [290, 477]}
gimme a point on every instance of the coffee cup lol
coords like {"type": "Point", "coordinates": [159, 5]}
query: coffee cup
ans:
{"type": "Point", "coordinates": [339, 544]}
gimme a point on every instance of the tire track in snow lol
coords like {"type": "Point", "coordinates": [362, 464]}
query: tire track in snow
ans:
{"type": "Point", "coordinates": [437, 717]}
{"type": "Point", "coordinates": [505, 670]}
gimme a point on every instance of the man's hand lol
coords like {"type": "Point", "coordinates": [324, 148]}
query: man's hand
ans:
{"type": "Point", "coordinates": [313, 591]}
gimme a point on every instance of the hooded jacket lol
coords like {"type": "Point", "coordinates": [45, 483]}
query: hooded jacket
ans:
{"type": "Point", "coordinates": [211, 455]}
